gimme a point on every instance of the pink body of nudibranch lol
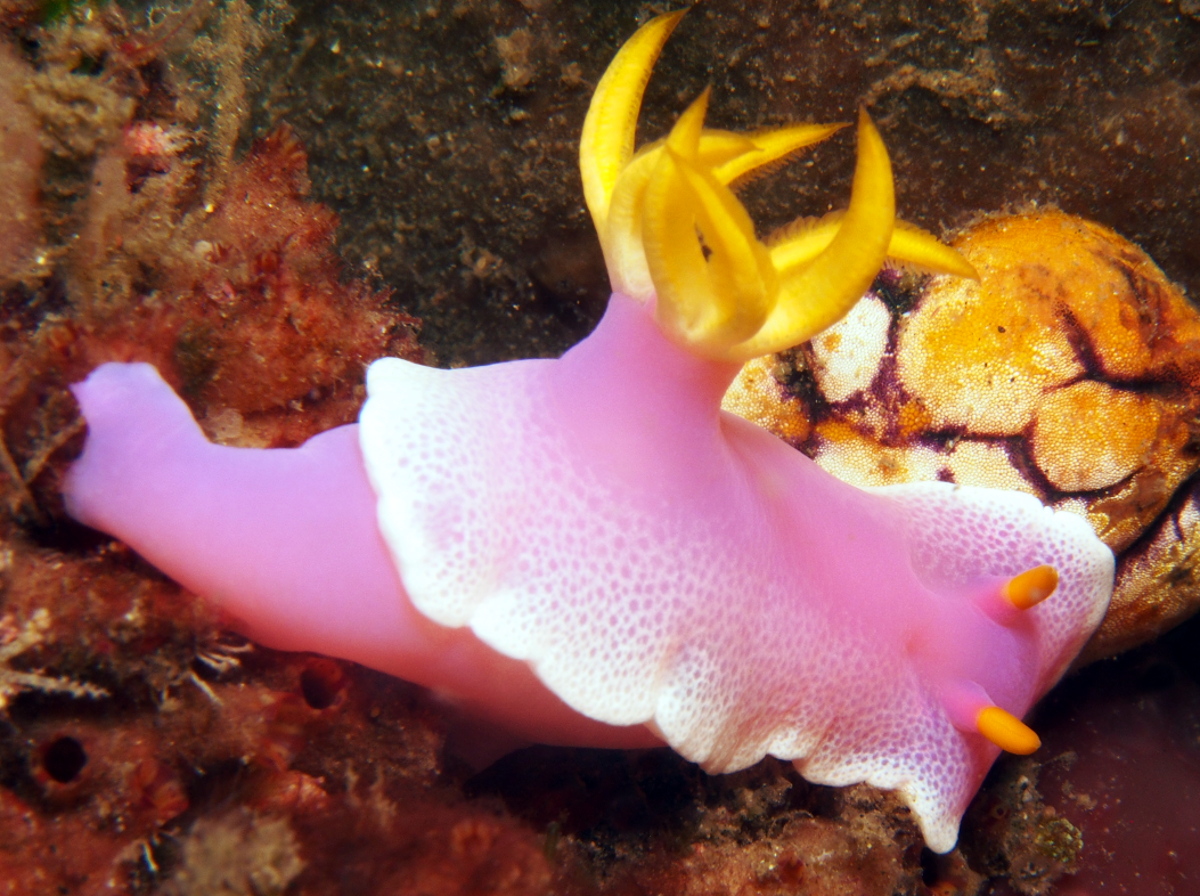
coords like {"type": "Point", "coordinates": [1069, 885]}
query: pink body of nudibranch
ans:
{"type": "Point", "coordinates": [589, 551]}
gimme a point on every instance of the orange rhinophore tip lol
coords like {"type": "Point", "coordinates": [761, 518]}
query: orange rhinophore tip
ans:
{"type": "Point", "coordinates": [1007, 731]}
{"type": "Point", "coordinates": [1031, 587]}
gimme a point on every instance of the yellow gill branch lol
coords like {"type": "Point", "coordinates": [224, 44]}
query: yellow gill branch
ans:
{"type": "Point", "coordinates": [672, 231]}
{"type": "Point", "coordinates": [606, 144]}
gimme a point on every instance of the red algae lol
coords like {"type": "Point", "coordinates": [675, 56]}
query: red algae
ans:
{"type": "Point", "coordinates": [252, 312]}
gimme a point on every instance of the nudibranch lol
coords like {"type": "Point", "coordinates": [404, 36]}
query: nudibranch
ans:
{"type": "Point", "coordinates": [588, 551]}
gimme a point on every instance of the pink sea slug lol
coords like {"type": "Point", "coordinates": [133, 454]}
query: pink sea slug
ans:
{"type": "Point", "coordinates": [589, 551]}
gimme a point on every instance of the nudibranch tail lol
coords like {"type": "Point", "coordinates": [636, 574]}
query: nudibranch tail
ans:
{"type": "Point", "coordinates": [674, 234]}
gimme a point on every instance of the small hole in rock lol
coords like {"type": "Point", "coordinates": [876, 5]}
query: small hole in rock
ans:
{"type": "Point", "coordinates": [63, 759]}
{"type": "Point", "coordinates": [320, 685]}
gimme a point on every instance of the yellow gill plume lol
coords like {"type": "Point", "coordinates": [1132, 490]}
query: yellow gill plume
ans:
{"type": "Point", "coordinates": [673, 232]}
